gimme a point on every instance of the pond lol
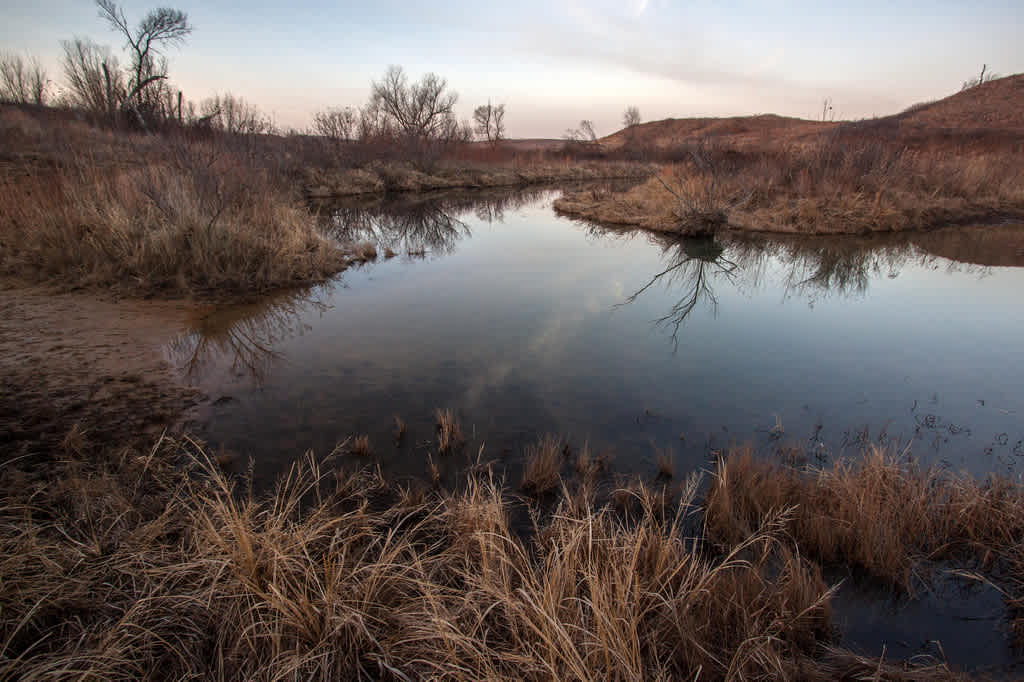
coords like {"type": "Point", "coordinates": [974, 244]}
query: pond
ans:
{"type": "Point", "coordinates": [524, 323]}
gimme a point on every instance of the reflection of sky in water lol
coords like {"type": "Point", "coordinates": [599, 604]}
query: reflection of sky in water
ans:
{"type": "Point", "coordinates": [518, 330]}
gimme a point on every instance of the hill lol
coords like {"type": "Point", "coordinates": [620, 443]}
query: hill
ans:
{"type": "Point", "coordinates": [992, 110]}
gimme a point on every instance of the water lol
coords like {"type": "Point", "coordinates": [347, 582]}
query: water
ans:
{"type": "Point", "coordinates": [526, 323]}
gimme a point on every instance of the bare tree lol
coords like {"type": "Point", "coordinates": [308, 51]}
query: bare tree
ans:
{"type": "Point", "coordinates": [981, 78]}
{"type": "Point", "coordinates": [631, 117]}
{"type": "Point", "coordinates": [418, 111]}
{"type": "Point", "coordinates": [160, 28]}
{"type": "Point", "coordinates": [490, 122]}
{"type": "Point", "coordinates": [583, 135]}
{"type": "Point", "coordinates": [95, 83]}
{"type": "Point", "coordinates": [232, 114]}
{"type": "Point", "coordinates": [23, 81]}
{"type": "Point", "coordinates": [337, 125]}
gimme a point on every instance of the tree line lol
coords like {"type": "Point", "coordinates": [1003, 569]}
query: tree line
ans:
{"type": "Point", "coordinates": [417, 116]}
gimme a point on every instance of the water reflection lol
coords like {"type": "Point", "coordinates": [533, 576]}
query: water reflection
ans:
{"type": "Point", "coordinates": [245, 338]}
{"type": "Point", "coordinates": [813, 268]}
{"type": "Point", "coordinates": [417, 225]}
{"type": "Point", "coordinates": [693, 266]}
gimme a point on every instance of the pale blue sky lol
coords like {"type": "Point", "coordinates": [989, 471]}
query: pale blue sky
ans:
{"type": "Point", "coordinates": [557, 61]}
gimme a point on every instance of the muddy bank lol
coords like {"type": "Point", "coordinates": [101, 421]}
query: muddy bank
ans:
{"type": "Point", "coordinates": [381, 177]}
{"type": "Point", "coordinates": [79, 372]}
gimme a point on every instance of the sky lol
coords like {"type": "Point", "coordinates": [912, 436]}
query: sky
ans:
{"type": "Point", "coordinates": [555, 62]}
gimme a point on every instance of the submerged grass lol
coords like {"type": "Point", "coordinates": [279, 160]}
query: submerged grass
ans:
{"type": "Point", "coordinates": [449, 431]}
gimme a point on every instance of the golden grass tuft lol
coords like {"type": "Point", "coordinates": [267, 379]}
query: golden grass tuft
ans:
{"type": "Point", "coordinates": [542, 469]}
{"type": "Point", "coordinates": [361, 446]}
{"type": "Point", "coordinates": [666, 463]}
{"type": "Point", "coordinates": [399, 432]}
{"type": "Point", "coordinates": [449, 432]}
{"type": "Point", "coordinates": [364, 251]}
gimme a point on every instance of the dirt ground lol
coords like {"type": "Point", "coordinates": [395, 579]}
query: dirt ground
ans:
{"type": "Point", "coordinates": [80, 370]}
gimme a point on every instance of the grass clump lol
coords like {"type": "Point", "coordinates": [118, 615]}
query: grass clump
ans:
{"type": "Point", "coordinates": [449, 432]}
{"type": "Point", "coordinates": [541, 472]}
{"type": "Point", "coordinates": [883, 514]}
{"type": "Point", "coordinates": [361, 446]}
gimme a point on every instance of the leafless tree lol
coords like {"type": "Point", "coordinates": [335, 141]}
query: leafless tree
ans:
{"type": "Point", "coordinates": [490, 122]}
{"type": "Point", "coordinates": [232, 114]}
{"type": "Point", "coordinates": [631, 117]}
{"type": "Point", "coordinates": [418, 111]}
{"type": "Point", "coordinates": [337, 125]}
{"type": "Point", "coordinates": [95, 82]}
{"type": "Point", "coordinates": [981, 78]}
{"type": "Point", "coordinates": [23, 81]}
{"type": "Point", "coordinates": [160, 28]}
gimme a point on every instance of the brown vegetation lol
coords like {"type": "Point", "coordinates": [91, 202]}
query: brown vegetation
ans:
{"type": "Point", "coordinates": [127, 567]}
{"type": "Point", "coordinates": [449, 432]}
{"type": "Point", "coordinates": [882, 514]}
{"type": "Point", "coordinates": [950, 162]}
{"type": "Point", "coordinates": [541, 472]}
{"type": "Point", "coordinates": [196, 220]}
{"type": "Point", "coordinates": [836, 188]}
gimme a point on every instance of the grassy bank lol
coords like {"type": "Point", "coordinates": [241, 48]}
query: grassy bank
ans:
{"type": "Point", "coordinates": [380, 177]}
{"type": "Point", "coordinates": [882, 514]}
{"type": "Point", "coordinates": [195, 221]}
{"type": "Point", "coordinates": [831, 186]}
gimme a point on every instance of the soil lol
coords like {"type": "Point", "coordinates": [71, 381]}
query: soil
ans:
{"type": "Point", "coordinates": [79, 372]}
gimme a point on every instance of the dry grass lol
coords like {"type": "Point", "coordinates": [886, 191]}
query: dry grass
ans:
{"type": "Point", "coordinates": [142, 571]}
{"type": "Point", "coordinates": [364, 251]}
{"type": "Point", "coordinates": [361, 446]}
{"type": "Point", "coordinates": [195, 222]}
{"type": "Point", "coordinates": [834, 186]}
{"type": "Point", "coordinates": [882, 513]}
{"type": "Point", "coordinates": [543, 466]}
{"type": "Point", "coordinates": [666, 463]}
{"type": "Point", "coordinates": [449, 432]}
{"type": "Point", "coordinates": [399, 432]}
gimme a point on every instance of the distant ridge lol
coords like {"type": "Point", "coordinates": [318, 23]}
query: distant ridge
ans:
{"type": "Point", "coordinates": [996, 106]}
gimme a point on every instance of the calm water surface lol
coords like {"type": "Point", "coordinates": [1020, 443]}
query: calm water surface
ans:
{"type": "Point", "coordinates": [526, 323]}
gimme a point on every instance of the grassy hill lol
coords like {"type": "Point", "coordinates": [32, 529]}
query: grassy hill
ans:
{"type": "Point", "coordinates": [992, 110]}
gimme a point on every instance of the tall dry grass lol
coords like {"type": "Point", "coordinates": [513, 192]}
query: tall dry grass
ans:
{"type": "Point", "coordinates": [883, 514]}
{"type": "Point", "coordinates": [189, 216]}
{"type": "Point", "coordinates": [139, 569]}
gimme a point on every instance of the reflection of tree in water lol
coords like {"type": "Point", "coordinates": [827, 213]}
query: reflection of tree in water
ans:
{"type": "Point", "coordinates": [807, 267]}
{"type": "Point", "coordinates": [693, 264]}
{"type": "Point", "coordinates": [416, 225]}
{"type": "Point", "coordinates": [245, 336]}
{"type": "Point", "coordinates": [815, 267]}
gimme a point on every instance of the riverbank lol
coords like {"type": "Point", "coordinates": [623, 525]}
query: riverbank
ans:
{"type": "Point", "coordinates": [832, 186]}
{"type": "Point", "coordinates": [383, 177]}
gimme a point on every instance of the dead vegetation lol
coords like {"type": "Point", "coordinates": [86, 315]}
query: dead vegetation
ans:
{"type": "Point", "coordinates": [542, 470]}
{"type": "Point", "coordinates": [195, 221]}
{"type": "Point", "coordinates": [130, 567]}
{"type": "Point", "coordinates": [836, 185]}
{"type": "Point", "coordinates": [449, 431]}
{"type": "Point", "coordinates": [882, 514]}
